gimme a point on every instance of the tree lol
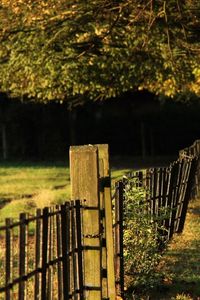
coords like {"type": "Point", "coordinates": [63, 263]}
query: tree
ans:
{"type": "Point", "coordinates": [77, 50]}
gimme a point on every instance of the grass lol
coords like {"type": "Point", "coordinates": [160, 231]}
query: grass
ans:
{"type": "Point", "coordinates": [180, 266]}
{"type": "Point", "coordinates": [25, 187]}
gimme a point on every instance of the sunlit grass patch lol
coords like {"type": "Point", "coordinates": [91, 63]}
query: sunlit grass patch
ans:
{"type": "Point", "coordinates": [23, 188]}
{"type": "Point", "coordinates": [181, 263]}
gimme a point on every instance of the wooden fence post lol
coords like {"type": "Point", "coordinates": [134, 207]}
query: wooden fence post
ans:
{"type": "Point", "coordinates": [84, 175]}
{"type": "Point", "coordinates": [106, 204]}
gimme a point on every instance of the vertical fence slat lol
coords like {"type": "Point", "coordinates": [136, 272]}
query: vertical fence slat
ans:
{"type": "Point", "coordinates": [109, 244]}
{"type": "Point", "coordinates": [175, 187]}
{"type": "Point", "coordinates": [50, 256]}
{"type": "Point", "coordinates": [74, 247]}
{"type": "Point", "coordinates": [59, 254]}
{"type": "Point", "coordinates": [79, 247]}
{"type": "Point", "coordinates": [170, 204]}
{"type": "Point", "coordinates": [37, 290]}
{"type": "Point", "coordinates": [9, 258]}
{"type": "Point", "coordinates": [23, 256]}
{"type": "Point", "coordinates": [191, 176]}
{"type": "Point", "coordinates": [182, 190]}
{"type": "Point", "coordinates": [119, 260]}
{"type": "Point", "coordinates": [45, 230]}
{"type": "Point", "coordinates": [65, 250]}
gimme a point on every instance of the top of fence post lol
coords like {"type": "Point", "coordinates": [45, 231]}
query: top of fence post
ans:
{"type": "Point", "coordinates": [84, 174]}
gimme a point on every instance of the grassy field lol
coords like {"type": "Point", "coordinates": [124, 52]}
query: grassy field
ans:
{"type": "Point", "coordinates": [25, 187]}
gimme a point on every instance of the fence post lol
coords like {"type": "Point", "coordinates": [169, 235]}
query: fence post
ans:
{"type": "Point", "coordinates": [107, 222]}
{"type": "Point", "coordinates": [84, 175]}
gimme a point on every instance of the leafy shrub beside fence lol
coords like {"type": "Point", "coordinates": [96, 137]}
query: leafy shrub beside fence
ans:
{"type": "Point", "coordinates": [141, 235]}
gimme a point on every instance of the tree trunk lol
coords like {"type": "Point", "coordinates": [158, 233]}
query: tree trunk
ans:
{"type": "Point", "coordinates": [72, 127]}
{"type": "Point", "coordinates": [143, 140]}
{"type": "Point", "coordinates": [4, 142]}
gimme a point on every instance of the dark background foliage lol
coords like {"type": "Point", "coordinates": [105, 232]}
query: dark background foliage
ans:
{"type": "Point", "coordinates": [136, 124]}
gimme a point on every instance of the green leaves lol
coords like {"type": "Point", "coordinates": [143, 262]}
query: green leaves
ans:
{"type": "Point", "coordinates": [59, 50]}
{"type": "Point", "coordinates": [140, 240]}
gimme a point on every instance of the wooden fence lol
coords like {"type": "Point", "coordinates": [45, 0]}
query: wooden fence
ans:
{"type": "Point", "coordinates": [68, 251]}
{"type": "Point", "coordinates": [167, 193]}
{"type": "Point", "coordinates": [194, 151]}
{"type": "Point", "coordinates": [39, 252]}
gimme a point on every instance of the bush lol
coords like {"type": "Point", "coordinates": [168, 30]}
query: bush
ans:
{"type": "Point", "coordinates": [141, 253]}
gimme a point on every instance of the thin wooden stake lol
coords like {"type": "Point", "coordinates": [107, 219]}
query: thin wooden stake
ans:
{"type": "Point", "coordinates": [23, 256]}
{"type": "Point", "coordinates": [45, 231]}
{"type": "Point", "coordinates": [65, 250]}
{"type": "Point", "coordinates": [110, 244]}
{"type": "Point", "coordinates": [9, 258]}
{"type": "Point", "coordinates": [59, 255]}
{"type": "Point", "coordinates": [79, 248]}
{"type": "Point", "coordinates": [37, 254]}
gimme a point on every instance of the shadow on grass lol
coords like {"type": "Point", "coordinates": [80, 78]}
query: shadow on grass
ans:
{"type": "Point", "coordinates": [181, 268]}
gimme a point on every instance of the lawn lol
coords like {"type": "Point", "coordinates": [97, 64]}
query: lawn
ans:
{"type": "Point", "coordinates": [180, 266]}
{"type": "Point", "coordinates": [25, 187]}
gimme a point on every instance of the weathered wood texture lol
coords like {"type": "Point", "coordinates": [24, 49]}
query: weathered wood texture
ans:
{"type": "Point", "coordinates": [108, 282]}
{"type": "Point", "coordinates": [90, 182]}
{"type": "Point", "coordinates": [84, 175]}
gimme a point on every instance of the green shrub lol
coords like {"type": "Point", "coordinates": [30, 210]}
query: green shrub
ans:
{"type": "Point", "coordinates": [141, 253]}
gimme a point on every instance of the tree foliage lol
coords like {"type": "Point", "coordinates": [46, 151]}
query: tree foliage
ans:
{"type": "Point", "coordinates": [98, 49]}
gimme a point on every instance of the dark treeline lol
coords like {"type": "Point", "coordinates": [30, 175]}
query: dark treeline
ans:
{"type": "Point", "coordinates": [135, 124]}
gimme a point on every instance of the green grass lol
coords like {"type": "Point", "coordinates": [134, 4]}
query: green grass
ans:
{"type": "Point", "coordinates": [25, 187]}
{"type": "Point", "coordinates": [180, 266]}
